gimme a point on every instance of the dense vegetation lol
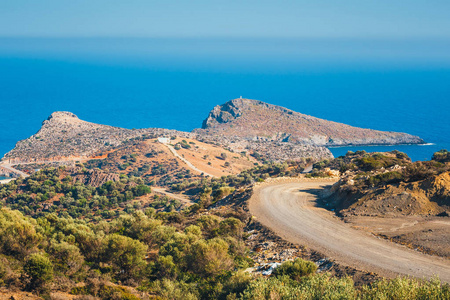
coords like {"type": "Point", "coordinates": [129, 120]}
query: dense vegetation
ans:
{"type": "Point", "coordinates": [134, 249]}
{"type": "Point", "coordinates": [201, 261]}
{"type": "Point", "coordinates": [50, 190]}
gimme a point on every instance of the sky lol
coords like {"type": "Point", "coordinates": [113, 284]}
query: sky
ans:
{"type": "Point", "coordinates": [208, 18]}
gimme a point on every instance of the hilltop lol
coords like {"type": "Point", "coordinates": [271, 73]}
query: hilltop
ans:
{"type": "Point", "coordinates": [257, 120]}
{"type": "Point", "coordinates": [63, 135]}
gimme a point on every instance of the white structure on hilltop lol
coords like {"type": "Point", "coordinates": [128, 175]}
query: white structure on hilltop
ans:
{"type": "Point", "coordinates": [164, 140]}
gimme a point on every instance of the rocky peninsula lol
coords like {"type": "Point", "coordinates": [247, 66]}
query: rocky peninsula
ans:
{"type": "Point", "coordinates": [258, 121]}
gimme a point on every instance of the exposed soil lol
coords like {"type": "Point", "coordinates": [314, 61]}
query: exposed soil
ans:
{"type": "Point", "coordinates": [428, 234]}
{"type": "Point", "coordinates": [291, 211]}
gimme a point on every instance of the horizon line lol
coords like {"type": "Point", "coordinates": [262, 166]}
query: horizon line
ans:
{"type": "Point", "coordinates": [337, 38]}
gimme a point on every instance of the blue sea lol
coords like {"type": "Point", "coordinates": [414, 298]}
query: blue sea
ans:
{"type": "Point", "coordinates": [173, 83]}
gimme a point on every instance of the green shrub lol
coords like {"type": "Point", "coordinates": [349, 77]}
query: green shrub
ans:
{"type": "Point", "coordinates": [296, 269]}
{"type": "Point", "coordinates": [441, 156]}
{"type": "Point", "coordinates": [210, 257]}
{"type": "Point", "coordinates": [125, 255]}
{"type": "Point", "coordinates": [67, 258]}
{"type": "Point", "coordinates": [18, 235]}
{"type": "Point", "coordinates": [318, 286]}
{"type": "Point", "coordinates": [402, 288]}
{"type": "Point", "coordinates": [40, 270]}
{"type": "Point", "coordinates": [168, 289]}
{"type": "Point", "coordinates": [385, 178]}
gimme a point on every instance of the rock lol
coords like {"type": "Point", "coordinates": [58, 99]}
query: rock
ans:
{"type": "Point", "coordinates": [256, 120]}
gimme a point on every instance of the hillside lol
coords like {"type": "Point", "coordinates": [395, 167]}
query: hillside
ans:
{"type": "Point", "coordinates": [256, 120]}
{"type": "Point", "coordinates": [392, 197]}
{"type": "Point", "coordinates": [63, 135]}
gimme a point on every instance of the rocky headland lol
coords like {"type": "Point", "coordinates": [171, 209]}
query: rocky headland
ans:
{"type": "Point", "coordinates": [258, 121]}
{"type": "Point", "coordinates": [64, 136]}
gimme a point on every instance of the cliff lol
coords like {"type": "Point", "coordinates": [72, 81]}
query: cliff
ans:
{"type": "Point", "coordinates": [256, 120]}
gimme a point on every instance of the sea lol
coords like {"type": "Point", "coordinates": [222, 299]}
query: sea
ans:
{"type": "Point", "coordinates": [383, 84]}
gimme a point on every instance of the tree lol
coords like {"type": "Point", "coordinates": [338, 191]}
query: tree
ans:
{"type": "Point", "coordinates": [210, 257]}
{"type": "Point", "coordinates": [67, 258]}
{"type": "Point", "coordinates": [125, 255]}
{"type": "Point", "coordinates": [18, 235]}
{"type": "Point", "coordinates": [40, 270]}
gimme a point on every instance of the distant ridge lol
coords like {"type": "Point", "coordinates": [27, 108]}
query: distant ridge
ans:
{"type": "Point", "coordinates": [257, 120]}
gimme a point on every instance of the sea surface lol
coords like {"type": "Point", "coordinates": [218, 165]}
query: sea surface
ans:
{"type": "Point", "coordinates": [174, 83]}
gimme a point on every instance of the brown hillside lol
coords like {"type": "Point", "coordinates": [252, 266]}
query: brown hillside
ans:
{"type": "Point", "coordinates": [256, 120]}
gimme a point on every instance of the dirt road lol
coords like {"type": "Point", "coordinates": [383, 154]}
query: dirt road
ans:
{"type": "Point", "coordinates": [185, 200]}
{"type": "Point", "coordinates": [289, 210]}
{"type": "Point", "coordinates": [188, 163]}
{"type": "Point", "coordinates": [15, 171]}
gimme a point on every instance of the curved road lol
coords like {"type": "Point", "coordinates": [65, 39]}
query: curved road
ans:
{"type": "Point", "coordinates": [289, 210]}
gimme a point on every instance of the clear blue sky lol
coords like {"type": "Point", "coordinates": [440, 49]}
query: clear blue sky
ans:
{"type": "Point", "coordinates": [209, 18]}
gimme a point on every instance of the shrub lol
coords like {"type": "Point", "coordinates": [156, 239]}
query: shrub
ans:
{"type": "Point", "coordinates": [18, 235]}
{"type": "Point", "coordinates": [210, 257]}
{"type": "Point", "coordinates": [169, 289]}
{"type": "Point", "coordinates": [385, 178]}
{"type": "Point", "coordinates": [296, 269]}
{"type": "Point", "coordinates": [67, 257]}
{"type": "Point", "coordinates": [125, 254]}
{"type": "Point", "coordinates": [441, 156]}
{"type": "Point", "coordinates": [402, 288]}
{"type": "Point", "coordinates": [40, 270]}
{"type": "Point", "coordinates": [318, 286]}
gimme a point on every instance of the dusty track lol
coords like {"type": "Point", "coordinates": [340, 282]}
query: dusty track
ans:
{"type": "Point", "coordinates": [289, 210]}
{"type": "Point", "coordinates": [188, 163]}
{"type": "Point", "coordinates": [185, 200]}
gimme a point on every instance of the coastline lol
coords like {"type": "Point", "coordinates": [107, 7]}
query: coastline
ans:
{"type": "Point", "coordinates": [417, 152]}
{"type": "Point", "coordinates": [6, 180]}
{"type": "Point", "coordinates": [380, 145]}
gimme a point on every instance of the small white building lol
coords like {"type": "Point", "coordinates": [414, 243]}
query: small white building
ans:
{"type": "Point", "coordinates": [164, 140]}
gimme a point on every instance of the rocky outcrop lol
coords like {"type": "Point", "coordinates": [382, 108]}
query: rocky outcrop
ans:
{"type": "Point", "coordinates": [256, 120]}
{"type": "Point", "coordinates": [64, 136]}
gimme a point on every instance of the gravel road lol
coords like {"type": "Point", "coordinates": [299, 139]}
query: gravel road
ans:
{"type": "Point", "coordinates": [290, 210]}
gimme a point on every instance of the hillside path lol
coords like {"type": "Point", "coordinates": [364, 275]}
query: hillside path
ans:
{"type": "Point", "coordinates": [188, 163]}
{"type": "Point", "coordinates": [185, 200]}
{"type": "Point", "coordinates": [290, 210]}
{"type": "Point", "coordinates": [9, 166]}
